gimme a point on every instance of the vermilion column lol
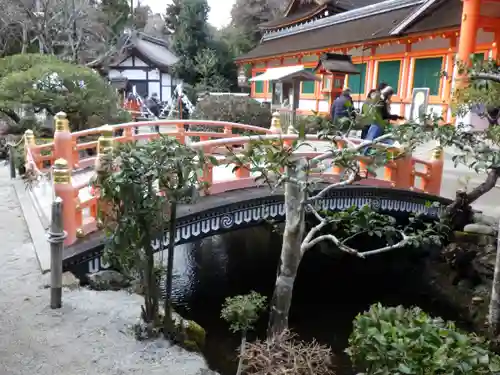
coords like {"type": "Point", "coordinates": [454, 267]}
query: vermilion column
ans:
{"type": "Point", "coordinates": [468, 29]}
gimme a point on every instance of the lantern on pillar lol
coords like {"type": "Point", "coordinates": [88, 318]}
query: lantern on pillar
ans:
{"type": "Point", "coordinates": [242, 78]}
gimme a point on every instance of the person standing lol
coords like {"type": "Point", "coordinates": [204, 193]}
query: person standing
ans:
{"type": "Point", "coordinates": [343, 106]}
{"type": "Point", "coordinates": [378, 112]}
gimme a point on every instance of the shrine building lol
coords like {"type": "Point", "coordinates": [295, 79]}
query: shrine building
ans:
{"type": "Point", "coordinates": [405, 43]}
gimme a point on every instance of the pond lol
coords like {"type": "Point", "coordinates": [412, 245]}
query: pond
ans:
{"type": "Point", "coordinates": [330, 290]}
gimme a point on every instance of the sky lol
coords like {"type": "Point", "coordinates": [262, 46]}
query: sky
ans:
{"type": "Point", "coordinates": [220, 10]}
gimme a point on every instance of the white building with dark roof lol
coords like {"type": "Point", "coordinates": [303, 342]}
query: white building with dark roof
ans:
{"type": "Point", "coordinates": [142, 61]}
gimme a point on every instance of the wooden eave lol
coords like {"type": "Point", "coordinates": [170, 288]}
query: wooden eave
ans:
{"type": "Point", "coordinates": [406, 39]}
{"type": "Point", "coordinates": [288, 21]}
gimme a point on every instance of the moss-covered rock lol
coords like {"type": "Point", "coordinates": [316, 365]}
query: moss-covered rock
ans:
{"type": "Point", "coordinates": [186, 333]}
{"type": "Point", "coordinates": [190, 335]}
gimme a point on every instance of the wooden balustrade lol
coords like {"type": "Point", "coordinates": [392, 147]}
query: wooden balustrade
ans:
{"type": "Point", "coordinates": [81, 203]}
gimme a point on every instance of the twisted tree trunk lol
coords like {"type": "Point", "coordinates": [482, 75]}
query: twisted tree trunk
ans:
{"type": "Point", "coordinates": [290, 251]}
{"type": "Point", "coordinates": [494, 312]}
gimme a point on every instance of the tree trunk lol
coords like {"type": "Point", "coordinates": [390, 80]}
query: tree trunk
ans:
{"type": "Point", "coordinates": [242, 351]}
{"type": "Point", "coordinates": [167, 319]}
{"type": "Point", "coordinates": [290, 250]}
{"type": "Point", "coordinates": [494, 313]}
{"type": "Point", "coordinates": [151, 287]}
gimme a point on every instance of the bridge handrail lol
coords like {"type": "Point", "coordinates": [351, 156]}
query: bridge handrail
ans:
{"type": "Point", "coordinates": [77, 197]}
{"type": "Point", "coordinates": [177, 123]}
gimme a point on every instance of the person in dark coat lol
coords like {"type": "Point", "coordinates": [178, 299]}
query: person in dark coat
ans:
{"type": "Point", "coordinates": [342, 106]}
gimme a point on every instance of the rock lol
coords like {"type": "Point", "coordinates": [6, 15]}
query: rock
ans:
{"type": "Point", "coordinates": [479, 218]}
{"type": "Point", "coordinates": [70, 281]}
{"type": "Point", "coordinates": [136, 287]}
{"type": "Point", "coordinates": [108, 280]}
{"type": "Point", "coordinates": [476, 300]}
{"type": "Point", "coordinates": [188, 334]}
{"type": "Point", "coordinates": [480, 229]}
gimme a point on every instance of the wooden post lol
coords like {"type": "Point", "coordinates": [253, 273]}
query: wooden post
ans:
{"type": "Point", "coordinates": [435, 172]}
{"type": "Point", "coordinates": [276, 123]}
{"type": "Point", "coordinates": [63, 189]}
{"type": "Point", "coordinates": [63, 140]}
{"type": "Point", "coordinates": [468, 29]}
{"type": "Point", "coordinates": [12, 161]}
{"type": "Point", "coordinates": [56, 239]}
{"type": "Point", "coordinates": [105, 142]}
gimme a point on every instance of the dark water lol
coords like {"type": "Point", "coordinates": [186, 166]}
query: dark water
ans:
{"type": "Point", "coordinates": [329, 292]}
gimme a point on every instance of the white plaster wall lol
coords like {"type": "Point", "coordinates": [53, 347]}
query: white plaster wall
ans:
{"type": "Point", "coordinates": [127, 62]}
{"type": "Point", "coordinates": [139, 62]}
{"type": "Point", "coordinates": [154, 74]}
{"type": "Point", "coordinates": [323, 106]}
{"type": "Point", "coordinates": [154, 87]}
{"type": "Point", "coordinates": [307, 105]}
{"type": "Point", "coordinates": [129, 73]}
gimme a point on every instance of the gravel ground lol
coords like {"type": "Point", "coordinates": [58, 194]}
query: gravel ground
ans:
{"type": "Point", "coordinates": [89, 335]}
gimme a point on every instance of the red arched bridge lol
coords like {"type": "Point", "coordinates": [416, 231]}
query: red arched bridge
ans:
{"type": "Point", "coordinates": [232, 201]}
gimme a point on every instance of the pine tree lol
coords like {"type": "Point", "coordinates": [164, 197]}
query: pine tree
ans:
{"type": "Point", "coordinates": [115, 15]}
{"type": "Point", "coordinates": [186, 22]}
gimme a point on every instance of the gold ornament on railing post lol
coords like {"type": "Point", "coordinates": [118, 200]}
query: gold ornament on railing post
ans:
{"type": "Point", "coordinates": [29, 138]}
{"type": "Point", "coordinates": [64, 189]}
{"type": "Point", "coordinates": [105, 142]}
{"type": "Point", "coordinates": [276, 123]}
{"type": "Point", "coordinates": [435, 171]}
{"type": "Point", "coordinates": [63, 140]}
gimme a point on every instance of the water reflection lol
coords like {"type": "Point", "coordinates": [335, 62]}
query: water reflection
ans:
{"type": "Point", "coordinates": [329, 291]}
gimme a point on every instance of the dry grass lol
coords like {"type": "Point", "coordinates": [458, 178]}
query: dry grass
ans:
{"type": "Point", "coordinates": [285, 355]}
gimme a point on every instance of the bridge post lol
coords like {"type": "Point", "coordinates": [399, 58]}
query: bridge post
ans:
{"type": "Point", "coordinates": [128, 134]}
{"type": "Point", "coordinates": [276, 123]}
{"type": "Point", "coordinates": [105, 146]}
{"type": "Point", "coordinates": [63, 141]}
{"type": "Point", "coordinates": [63, 188]}
{"type": "Point", "coordinates": [400, 171]}
{"type": "Point", "coordinates": [29, 143]}
{"type": "Point", "coordinates": [336, 169]}
{"type": "Point", "coordinates": [434, 173]}
{"type": "Point", "coordinates": [181, 133]}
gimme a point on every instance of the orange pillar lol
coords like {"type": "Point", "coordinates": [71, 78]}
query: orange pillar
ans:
{"type": "Point", "coordinates": [63, 140]}
{"type": "Point", "coordinates": [63, 188]}
{"type": "Point", "coordinates": [434, 177]}
{"type": "Point", "coordinates": [468, 29]}
{"type": "Point", "coordinates": [496, 45]}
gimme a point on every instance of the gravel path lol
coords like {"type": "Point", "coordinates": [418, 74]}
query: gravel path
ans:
{"type": "Point", "coordinates": [90, 335]}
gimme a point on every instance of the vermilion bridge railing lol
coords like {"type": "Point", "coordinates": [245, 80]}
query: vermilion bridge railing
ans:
{"type": "Point", "coordinates": [67, 157]}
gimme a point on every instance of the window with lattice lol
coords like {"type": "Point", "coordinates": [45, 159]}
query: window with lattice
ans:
{"type": "Point", "coordinates": [357, 82]}
{"type": "Point", "coordinates": [259, 85]}
{"type": "Point", "coordinates": [427, 74]}
{"type": "Point", "coordinates": [388, 72]}
{"type": "Point", "coordinates": [308, 87]}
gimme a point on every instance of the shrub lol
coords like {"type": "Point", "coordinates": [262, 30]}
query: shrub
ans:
{"type": "Point", "coordinates": [240, 109]}
{"type": "Point", "coordinates": [46, 83]}
{"type": "Point", "coordinates": [395, 340]}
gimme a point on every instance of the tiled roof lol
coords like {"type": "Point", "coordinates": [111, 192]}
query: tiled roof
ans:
{"type": "Point", "coordinates": [444, 15]}
{"type": "Point", "coordinates": [359, 30]}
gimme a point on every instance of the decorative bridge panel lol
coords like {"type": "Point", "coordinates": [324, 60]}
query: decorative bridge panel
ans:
{"type": "Point", "coordinates": [251, 212]}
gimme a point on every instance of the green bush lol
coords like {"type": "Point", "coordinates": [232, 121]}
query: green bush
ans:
{"type": "Point", "coordinates": [239, 109]}
{"type": "Point", "coordinates": [395, 340]}
{"type": "Point", "coordinates": [312, 124]}
{"type": "Point", "coordinates": [42, 82]}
